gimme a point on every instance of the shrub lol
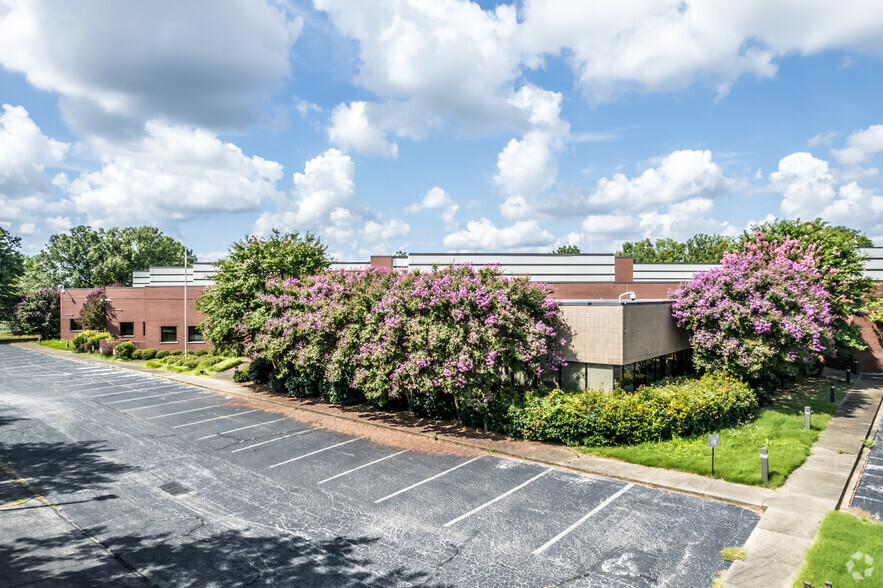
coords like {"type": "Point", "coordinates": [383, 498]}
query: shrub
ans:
{"type": "Point", "coordinates": [199, 353]}
{"type": "Point", "coordinates": [259, 371]}
{"type": "Point", "coordinates": [153, 363]}
{"type": "Point", "coordinates": [126, 350]}
{"type": "Point", "coordinates": [148, 353]}
{"type": "Point", "coordinates": [594, 417]}
{"type": "Point", "coordinates": [161, 354]}
{"type": "Point", "coordinates": [190, 362]}
{"type": "Point", "coordinates": [88, 341]}
{"type": "Point", "coordinates": [240, 376]}
{"type": "Point", "coordinates": [226, 363]}
{"type": "Point", "coordinates": [176, 352]}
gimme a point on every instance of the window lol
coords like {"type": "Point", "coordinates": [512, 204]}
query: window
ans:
{"type": "Point", "coordinates": [194, 335]}
{"type": "Point", "coordinates": [76, 325]}
{"type": "Point", "coordinates": [168, 334]}
{"type": "Point", "coordinates": [127, 329]}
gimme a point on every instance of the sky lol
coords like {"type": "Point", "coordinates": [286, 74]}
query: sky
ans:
{"type": "Point", "coordinates": [439, 125]}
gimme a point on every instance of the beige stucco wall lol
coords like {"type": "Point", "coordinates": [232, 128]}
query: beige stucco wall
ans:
{"type": "Point", "coordinates": [620, 334]}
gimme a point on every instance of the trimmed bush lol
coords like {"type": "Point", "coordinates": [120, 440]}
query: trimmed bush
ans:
{"type": "Point", "coordinates": [677, 407]}
{"type": "Point", "coordinates": [199, 353]}
{"type": "Point", "coordinates": [148, 353]}
{"type": "Point", "coordinates": [126, 350]}
{"type": "Point", "coordinates": [153, 363]}
{"type": "Point", "coordinates": [162, 353]}
{"type": "Point", "coordinates": [259, 371]}
{"type": "Point", "coordinates": [226, 363]}
{"type": "Point", "coordinates": [88, 341]}
{"type": "Point", "coordinates": [240, 376]}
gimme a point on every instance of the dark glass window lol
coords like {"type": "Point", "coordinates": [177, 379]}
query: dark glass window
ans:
{"type": "Point", "coordinates": [194, 335]}
{"type": "Point", "coordinates": [127, 329]}
{"type": "Point", "coordinates": [76, 325]}
{"type": "Point", "coordinates": [168, 334]}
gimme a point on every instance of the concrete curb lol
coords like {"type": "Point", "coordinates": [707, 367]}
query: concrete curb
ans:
{"type": "Point", "coordinates": [548, 455]}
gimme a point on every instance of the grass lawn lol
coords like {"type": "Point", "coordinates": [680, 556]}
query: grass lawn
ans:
{"type": "Point", "coordinates": [4, 336]}
{"type": "Point", "coordinates": [778, 427]}
{"type": "Point", "coordinates": [54, 343]}
{"type": "Point", "coordinates": [844, 538]}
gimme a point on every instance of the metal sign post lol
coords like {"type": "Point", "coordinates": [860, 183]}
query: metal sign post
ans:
{"type": "Point", "coordinates": [713, 441]}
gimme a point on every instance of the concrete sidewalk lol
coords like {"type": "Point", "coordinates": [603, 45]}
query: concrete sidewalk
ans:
{"type": "Point", "coordinates": [776, 548]}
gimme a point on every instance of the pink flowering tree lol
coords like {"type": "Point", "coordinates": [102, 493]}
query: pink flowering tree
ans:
{"type": "Point", "coordinates": [763, 315]}
{"type": "Point", "coordinates": [414, 337]}
{"type": "Point", "coordinates": [93, 314]}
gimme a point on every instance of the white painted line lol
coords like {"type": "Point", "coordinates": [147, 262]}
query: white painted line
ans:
{"type": "Point", "coordinates": [566, 531]}
{"type": "Point", "coordinates": [160, 404]}
{"type": "Point", "coordinates": [500, 497]}
{"type": "Point", "coordinates": [412, 486]}
{"type": "Point", "coordinates": [103, 395]}
{"type": "Point", "coordinates": [146, 397]}
{"type": "Point", "coordinates": [363, 466]}
{"type": "Point", "coordinates": [161, 416]}
{"type": "Point", "coordinates": [276, 465]}
{"type": "Point", "coordinates": [271, 441]}
{"type": "Point", "coordinates": [213, 419]}
{"type": "Point", "coordinates": [241, 429]}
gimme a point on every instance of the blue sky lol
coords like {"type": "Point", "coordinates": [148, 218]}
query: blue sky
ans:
{"type": "Point", "coordinates": [439, 126]}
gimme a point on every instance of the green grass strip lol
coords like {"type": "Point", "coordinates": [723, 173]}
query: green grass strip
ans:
{"type": "Point", "coordinates": [779, 428]}
{"type": "Point", "coordinates": [841, 551]}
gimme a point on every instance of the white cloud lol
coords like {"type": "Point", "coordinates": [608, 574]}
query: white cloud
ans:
{"type": "Point", "coordinates": [483, 235]}
{"type": "Point", "coordinates": [679, 176]}
{"type": "Point", "coordinates": [352, 129]}
{"type": "Point", "coordinates": [57, 224]}
{"type": "Point", "coordinates": [27, 228]}
{"type": "Point", "coordinates": [124, 63]}
{"type": "Point", "coordinates": [822, 139]}
{"type": "Point", "coordinates": [437, 198]}
{"type": "Point", "coordinates": [382, 232]}
{"type": "Point", "coordinates": [609, 224]}
{"type": "Point", "coordinates": [25, 152]}
{"type": "Point", "coordinates": [171, 175]}
{"type": "Point", "coordinates": [860, 146]}
{"type": "Point", "coordinates": [806, 183]}
{"type": "Point", "coordinates": [668, 45]}
{"type": "Point", "coordinates": [527, 167]}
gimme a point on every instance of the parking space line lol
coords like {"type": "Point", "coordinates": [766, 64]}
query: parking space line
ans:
{"type": "Point", "coordinates": [498, 498]}
{"type": "Point", "coordinates": [272, 440]}
{"type": "Point", "coordinates": [412, 486]}
{"type": "Point", "coordinates": [160, 404]}
{"type": "Point", "coordinates": [213, 419]}
{"type": "Point", "coordinates": [363, 466]}
{"type": "Point", "coordinates": [567, 531]}
{"type": "Point", "coordinates": [241, 429]}
{"type": "Point", "coordinates": [146, 397]}
{"type": "Point", "coordinates": [103, 395]}
{"type": "Point", "coordinates": [276, 465]}
{"type": "Point", "coordinates": [160, 416]}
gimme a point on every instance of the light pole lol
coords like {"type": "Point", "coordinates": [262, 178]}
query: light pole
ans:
{"type": "Point", "coordinates": [186, 330]}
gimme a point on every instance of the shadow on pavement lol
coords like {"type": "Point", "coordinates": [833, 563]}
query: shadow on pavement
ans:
{"type": "Point", "coordinates": [224, 558]}
{"type": "Point", "coordinates": [63, 468]}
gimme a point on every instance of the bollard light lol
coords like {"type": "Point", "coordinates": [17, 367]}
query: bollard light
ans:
{"type": "Point", "coordinates": [855, 366]}
{"type": "Point", "coordinates": [764, 465]}
{"type": "Point", "coordinates": [832, 393]}
{"type": "Point", "coordinates": [847, 376]}
{"type": "Point", "coordinates": [807, 412]}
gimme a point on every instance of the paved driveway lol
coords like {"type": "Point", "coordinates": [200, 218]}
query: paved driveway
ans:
{"type": "Point", "coordinates": [165, 484]}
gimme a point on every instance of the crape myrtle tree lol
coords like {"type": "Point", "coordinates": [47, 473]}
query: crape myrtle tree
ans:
{"type": "Point", "coordinates": [840, 267]}
{"type": "Point", "coordinates": [243, 275]}
{"type": "Point", "coordinates": [93, 314]}
{"type": "Point", "coordinates": [419, 338]}
{"type": "Point", "coordinates": [39, 313]}
{"type": "Point", "coordinates": [763, 315]}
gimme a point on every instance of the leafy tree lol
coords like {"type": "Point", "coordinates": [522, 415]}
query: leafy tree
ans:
{"type": "Point", "coordinates": [701, 248]}
{"type": "Point", "coordinates": [840, 265]}
{"type": "Point", "coordinates": [39, 313]}
{"type": "Point", "coordinates": [11, 269]}
{"type": "Point", "coordinates": [567, 249]}
{"type": "Point", "coordinates": [87, 258]}
{"type": "Point", "coordinates": [243, 275]}
{"type": "Point", "coordinates": [763, 315]}
{"type": "Point", "coordinates": [93, 314]}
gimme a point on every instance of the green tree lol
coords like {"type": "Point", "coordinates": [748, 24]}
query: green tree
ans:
{"type": "Point", "coordinates": [840, 264]}
{"type": "Point", "coordinates": [567, 249]}
{"type": "Point", "coordinates": [11, 269]}
{"type": "Point", "coordinates": [243, 274]}
{"type": "Point", "coordinates": [87, 258]}
{"type": "Point", "coordinates": [700, 248]}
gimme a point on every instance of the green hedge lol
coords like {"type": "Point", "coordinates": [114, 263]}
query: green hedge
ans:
{"type": "Point", "coordinates": [652, 413]}
{"type": "Point", "coordinates": [88, 341]}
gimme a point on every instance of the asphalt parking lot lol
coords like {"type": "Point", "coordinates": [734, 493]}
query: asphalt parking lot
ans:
{"type": "Point", "coordinates": [869, 493]}
{"type": "Point", "coordinates": [129, 479]}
